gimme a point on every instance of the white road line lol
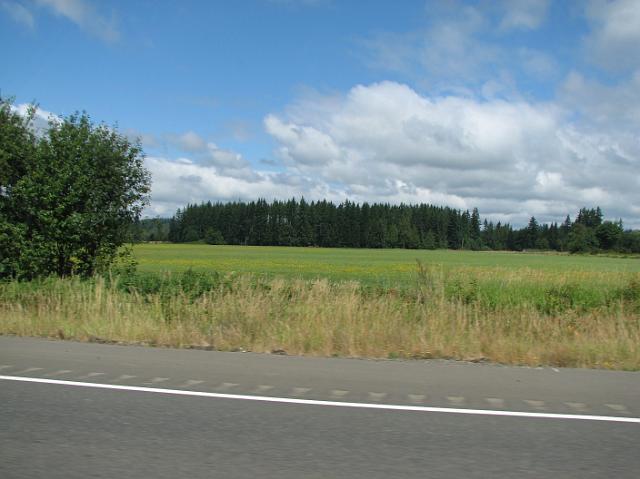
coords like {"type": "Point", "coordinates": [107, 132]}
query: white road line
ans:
{"type": "Point", "coordinates": [90, 375]}
{"type": "Point", "coordinates": [28, 370]}
{"type": "Point", "coordinates": [226, 386]}
{"type": "Point", "coordinates": [339, 393]}
{"type": "Point", "coordinates": [457, 400]}
{"type": "Point", "coordinates": [416, 398]}
{"type": "Point", "coordinates": [373, 396]}
{"type": "Point", "coordinates": [300, 391]}
{"type": "Point", "coordinates": [578, 406]}
{"type": "Point", "coordinates": [190, 382]}
{"type": "Point", "coordinates": [59, 372]}
{"type": "Point", "coordinates": [539, 405]}
{"type": "Point", "coordinates": [618, 408]}
{"type": "Point", "coordinates": [124, 377]}
{"type": "Point", "coordinates": [5, 366]}
{"type": "Point", "coordinates": [262, 388]}
{"type": "Point", "coordinates": [158, 380]}
{"type": "Point", "coordinates": [495, 402]}
{"type": "Point", "coordinates": [315, 402]}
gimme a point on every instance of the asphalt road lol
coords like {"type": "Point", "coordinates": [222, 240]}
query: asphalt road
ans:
{"type": "Point", "coordinates": [70, 428]}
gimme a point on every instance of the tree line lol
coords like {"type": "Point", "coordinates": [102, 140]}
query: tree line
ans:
{"type": "Point", "coordinates": [380, 225]}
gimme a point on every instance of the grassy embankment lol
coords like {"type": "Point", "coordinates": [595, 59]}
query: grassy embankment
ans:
{"type": "Point", "coordinates": [504, 307]}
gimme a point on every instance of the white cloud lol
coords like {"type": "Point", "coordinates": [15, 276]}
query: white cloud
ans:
{"type": "Point", "coordinates": [304, 144]}
{"type": "Point", "coordinates": [191, 141]}
{"type": "Point", "coordinates": [386, 142]}
{"type": "Point", "coordinates": [18, 12]}
{"type": "Point", "coordinates": [209, 154]}
{"type": "Point", "coordinates": [458, 51]}
{"type": "Point", "coordinates": [41, 118]}
{"type": "Point", "coordinates": [85, 16]}
{"type": "Point", "coordinates": [523, 14]}
{"type": "Point", "coordinates": [177, 183]}
{"type": "Point", "coordinates": [604, 106]}
{"type": "Point", "coordinates": [615, 36]}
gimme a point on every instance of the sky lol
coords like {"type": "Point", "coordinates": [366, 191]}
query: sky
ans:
{"type": "Point", "coordinates": [519, 107]}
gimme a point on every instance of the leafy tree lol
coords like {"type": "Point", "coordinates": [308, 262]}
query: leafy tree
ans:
{"type": "Point", "coordinates": [213, 236]}
{"type": "Point", "coordinates": [582, 239]}
{"type": "Point", "coordinates": [70, 199]}
{"type": "Point", "coordinates": [608, 234]}
{"type": "Point", "coordinates": [17, 150]}
{"type": "Point", "coordinates": [630, 242]}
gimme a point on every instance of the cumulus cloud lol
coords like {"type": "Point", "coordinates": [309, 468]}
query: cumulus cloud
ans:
{"type": "Point", "coordinates": [177, 183]}
{"type": "Point", "coordinates": [85, 16]}
{"type": "Point", "coordinates": [615, 36]}
{"type": "Point", "coordinates": [18, 12]}
{"type": "Point", "coordinates": [207, 153]}
{"type": "Point", "coordinates": [604, 106]}
{"type": "Point", "coordinates": [511, 159]}
{"type": "Point", "coordinates": [386, 142]}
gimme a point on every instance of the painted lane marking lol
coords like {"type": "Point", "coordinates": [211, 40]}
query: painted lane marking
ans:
{"type": "Point", "coordinates": [262, 388]}
{"type": "Point", "coordinates": [28, 370]}
{"type": "Point", "coordinates": [226, 386]}
{"type": "Point", "coordinates": [316, 402]}
{"type": "Point", "coordinates": [416, 398]}
{"type": "Point", "coordinates": [158, 380]}
{"type": "Point", "coordinates": [578, 406]}
{"type": "Point", "coordinates": [457, 400]}
{"type": "Point", "coordinates": [90, 375]}
{"type": "Point", "coordinates": [5, 366]}
{"type": "Point", "coordinates": [495, 402]}
{"type": "Point", "coordinates": [539, 405]}
{"type": "Point", "coordinates": [190, 383]}
{"type": "Point", "coordinates": [339, 393]}
{"type": "Point", "coordinates": [59, 372]}
{"type": "Point", "coordinates": [618, 408]}
{"type": "Point", "coordinates": [300, 391]}
{"type": "Point", "coordinates": [373, 396]}
{"type": "Point", "coordinates": [124, 377]}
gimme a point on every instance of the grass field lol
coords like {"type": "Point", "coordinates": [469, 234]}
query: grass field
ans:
{"type": "Point", "coordinates": [388, 267]}
{"type": "Point", "coordinates": [533, 309]}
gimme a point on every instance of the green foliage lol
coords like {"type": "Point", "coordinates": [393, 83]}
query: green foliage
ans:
{"type": "Point", "coordinates": [213, 236]}
{"type": "Point", "coordinates": [630, 242]}
{"type": "Point", "coordinates": [188, 284]}
{"type": "Point", "coordinates": [631, 291]}
{"type": "Point", "coordinates": [150, 229]}
{"type": "Point", "coordinates": [582, 239]}
{"type": "Point", "coordinates": [69, 199]}
{"type": "Point", "coordinates": [608, 234]}
{"type": "Point", "coordinates": [352, 225]}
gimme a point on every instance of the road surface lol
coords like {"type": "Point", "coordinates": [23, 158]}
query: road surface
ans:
{"type": "Point", "coordinates": [90, 410]}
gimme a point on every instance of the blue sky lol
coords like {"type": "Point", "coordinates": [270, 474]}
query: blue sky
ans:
{"type": "Point", "coordinates": [518, 107]}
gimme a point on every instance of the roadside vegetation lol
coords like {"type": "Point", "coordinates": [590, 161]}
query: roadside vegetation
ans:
{"type": "Point", "coordinates": [577, 319]}
{"type": "Point", "coordinates": [71, 196]}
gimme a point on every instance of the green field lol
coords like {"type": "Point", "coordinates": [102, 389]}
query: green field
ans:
{"type": "Point", "coordinates": [512, 308]}
{"type": "Point", "coordinates": [385, 266]}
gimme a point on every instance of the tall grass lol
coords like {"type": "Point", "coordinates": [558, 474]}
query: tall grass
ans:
{"type": "Point", "coordinates": [532, 318]}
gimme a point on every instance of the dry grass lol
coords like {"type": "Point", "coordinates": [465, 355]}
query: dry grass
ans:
{"type": "Point", "coordinates": [442, 317]}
